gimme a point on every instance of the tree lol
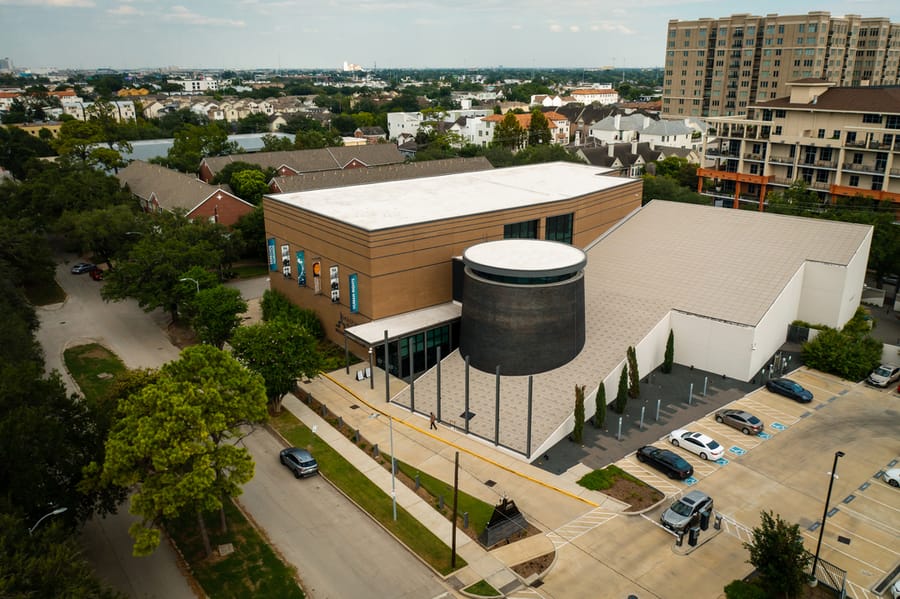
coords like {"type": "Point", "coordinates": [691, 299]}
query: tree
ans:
{"type": "Point", "coordinates": [281, 352]}
{"type": "Point", "coordinates": [666, 188]}
{"type": "Point", "coordinates": [256, 122]}
{"type": "Point", "coordinates": [249, 185]}
{"type": "Point", "coordinates": [622, 393]}
{"type": "Point", "coordinates": [48, 563]}
{"type": "Point", "coordinates": [252, 229]}
{"type": "Point", "coordinates": [193, 143]}
{"type": "Point", "coordinates": [508, 133]}
{"type": "Point", "coordinates": [669, 358]}
{"type": "Point", "coordinates": [600, 409]}
{"type": "Point", "coordinates": [679, 170]}
{"type": "Point", "coordinates": [538, 128]}
{"type": "Point", "coordinates": [102, 232]}
{"type": "Point", "coordinates": [850, 353]}
{"type": "Point", "coordinates": [634, 379]}
{"type": "Point", "coordinates": [276, 143]}
{"type": "Point", "coordinates": [216, 314]}
{"type": "Point", "coordinates": [545, 153]}
{"type": "Point", "coordinates": [17, 147]}
{"type": "Point", "coordinates": [275, 306]}
{"type": "Point", "coordinates": [176, 438]}
{"type": "Point", "coordinates": [228, 171]}
{"type": "Point", "coordinates": [777, 553]}
{"type": "Point", "coordinates": [578, 430]}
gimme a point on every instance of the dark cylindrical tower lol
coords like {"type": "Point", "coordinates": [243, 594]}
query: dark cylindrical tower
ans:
{"type": "Point", "coordinates": [523, 305]}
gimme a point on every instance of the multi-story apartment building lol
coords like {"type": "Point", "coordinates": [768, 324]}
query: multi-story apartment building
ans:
{"type": "Point", "coordinates": [841, 141]}
{"type": "Point", "coordinates": [719, 67]}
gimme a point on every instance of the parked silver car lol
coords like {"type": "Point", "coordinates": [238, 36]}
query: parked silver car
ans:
{"type": "Point", "coordinates": [299, 461]}
{"type": "Point", "coordinates": [682, 514]}
{"type": "Point", "coordinates": [884, 375]}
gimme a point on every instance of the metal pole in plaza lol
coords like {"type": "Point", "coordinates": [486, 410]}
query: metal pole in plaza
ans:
{"type": "Point", "coordinates": [833, 473]}
{"type": "Point", "coordinates": [393, 470]}
{"type": "Point", "coordinates": [497, 409]}
{"type": "Point", "coordinates": [658, 402]}
{"type": "Point", "coordinates": [528, 434]}
{"type": "Point", "coordinates": [438, 383]}
{"type": "Point", "coordinates": [412, 383]}
{"type": "Point", "coordinates": [387, 369]}
{"type": "Point", "coordinates": [466, 413]}
{"type": "Point", "coordinates": [371, 371]}
{"type": "Point", "coordinates": [691, 394]}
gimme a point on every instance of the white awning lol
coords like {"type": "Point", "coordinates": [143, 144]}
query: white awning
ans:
{"type": "Point", "coordinates": [403, 325]}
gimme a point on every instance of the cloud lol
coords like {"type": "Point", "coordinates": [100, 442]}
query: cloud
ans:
{"type": "Point", "coordinates": [555, 27]}
{"type": "Point", "coordinates": [516, 27]}
{"type": "Point", "coordinates": [614, 27]}
{"type": "Point", "coordinates": [574, 28]}
{"type": "Point", "coordinates": [180, 14]}
{"type": "Point", "coordinates": [124, 10]}
{"type": "Point", "coordinates": [50, 3]}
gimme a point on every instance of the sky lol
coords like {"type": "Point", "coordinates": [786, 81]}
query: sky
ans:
{"type": "Point", "coordinates": [280, 34]}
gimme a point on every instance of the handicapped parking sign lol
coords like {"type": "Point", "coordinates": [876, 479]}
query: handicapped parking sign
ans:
{"type": "Point", "coordinates": [721, 461]}
{"type": "Point", "coordinates": [764, 435]}
{"type": "Point", "coordinates": [778, 426]}
{"type": "Point", "coordinates": [737, 450]}
{"type": "Point", "coordinates": [690, 481]}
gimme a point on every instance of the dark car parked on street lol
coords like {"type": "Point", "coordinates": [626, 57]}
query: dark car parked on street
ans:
{"type": "Point", "coordinates": [667, 462]}
{"type": "Point", "coordinates": [789, 389]}
{"type": "Point", "coordinates": [299, 461]}
{"type": "Point", "coordinates": [745, 422]}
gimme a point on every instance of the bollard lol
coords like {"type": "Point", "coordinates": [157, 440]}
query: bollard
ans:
{"type": "Point", "coordinates": [619, 434]}
{"type": "Point", "coordinates": [705, 380]}
{"type": "Point", "coordinates": [658, 401]}
{"type": "Point", "coordinates": [679, 539]}
{"type": "Point", "coordinates": [440, 502]}
{"type": "Point", "coordinates": [704, 520]}
{"type": "Point", "coordinates": [693, 536]}
{"type": "Point", "coordinates": [324, 411]}
{"type": "Point", "coordinates": [356, 436]}
{"type": "Point", "coordinates": [418, 482]}
{"type": "Point", "coordinates": [717, 523]}
{"type": "Point", "coordinates": [691, 394]}
{"type": "Point", "coordinates": [465, 519]}
{"type": "Point", "coordinates": [375, 450]}
{"type": "Point", "coordinates": [340, 422]}
{"type": "Point", "coordinates": [642, 417]}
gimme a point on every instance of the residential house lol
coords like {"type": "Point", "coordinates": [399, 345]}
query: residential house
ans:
{"type": "Point", "coordinates": [591, 96]}
{"type": "Point", "coordinates": [158, 188]}
{"type": "Point", "coordinates": [372, 135]}
{"type": "Point", "coordinates": [296, 162]}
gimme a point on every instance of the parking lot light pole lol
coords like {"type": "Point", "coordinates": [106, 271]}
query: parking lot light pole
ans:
{"type": "Point", "coordinates": [55, 512]}
{"type": "Point", "coordinates": [197, 283]}
{"type": "Point", "coordinates": [833, 473]}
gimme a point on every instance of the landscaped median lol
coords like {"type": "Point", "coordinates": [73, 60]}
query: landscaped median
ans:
{"type": "Point", "coordinates": [617, 483]}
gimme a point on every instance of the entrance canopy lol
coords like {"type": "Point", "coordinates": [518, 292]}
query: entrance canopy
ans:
{"type": "Point", "coordinates": [402, 325]}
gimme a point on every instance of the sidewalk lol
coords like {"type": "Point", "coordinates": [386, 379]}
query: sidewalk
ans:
{"type": "Point", "coordinates": [547, 501]}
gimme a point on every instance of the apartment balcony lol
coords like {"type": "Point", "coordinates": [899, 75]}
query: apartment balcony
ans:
{"type": "Point", "coordinates": [863, 168]}
{"type": "Point", "coordinates": [721, 153]}
{"type": "Point", "coordinates": [754, 157]}
{"type": "Point", "coordinates": [895, 172]}
{"type": "Point", "coordinates": [781, 160]}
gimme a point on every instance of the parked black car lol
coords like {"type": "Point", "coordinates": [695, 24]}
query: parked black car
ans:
{"type": "Point", "coordinates": [790, 389]}
{"type": "Point", "coordinates": [668, 462]}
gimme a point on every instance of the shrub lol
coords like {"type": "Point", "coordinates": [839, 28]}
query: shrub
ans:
{"type": "Point", "coordinates": [850, 353]}
{"type": "Point", "coordinates": [739, 589]}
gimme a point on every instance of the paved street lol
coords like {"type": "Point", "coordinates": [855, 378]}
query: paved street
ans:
{"type": "Point", "coordinates": [338, 550]}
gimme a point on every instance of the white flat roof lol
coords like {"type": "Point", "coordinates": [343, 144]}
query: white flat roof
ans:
{"type": "Point", "coordinates": [400, 203]}
{"type": "Point", "coordinates": [532, 256]}
{"type": "Point", "coordinates": [401, 325]}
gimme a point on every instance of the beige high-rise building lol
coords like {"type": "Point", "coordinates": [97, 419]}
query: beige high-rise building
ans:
{"type": "Point", "coordinates": [718, 67]}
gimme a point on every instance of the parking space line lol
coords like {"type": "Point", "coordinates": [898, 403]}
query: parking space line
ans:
{"type": "Point", "coordinates": [636, 468]}
{"type": "Point", "coordinates": [872, 521]}
{"type": "Point", "coordinates": [723, 431]}
{"type": "Point", "coordinates": [774, 413]}
{"type": "Point", "coordinates": [815, 537]}
{"type": "Point", "coordinates": [861, 537]}
{"type": "Point", "coordinates": [881, 503]}
{"type": "Point", "coordinates": [585, 523]}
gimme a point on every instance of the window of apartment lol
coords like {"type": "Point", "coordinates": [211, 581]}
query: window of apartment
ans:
{"type": "Point", "coordinates": [821, 134]}
{"type": "Point", "coordinates": [812, 27]}
{"type": "Point", "coordinates": [559, 228]}
{"type": "Point", "coordinates": [857, 158]}
{"type": "Point", "coordinates": [825, 154]}
{"type": "Point", "coordinates": [854, 181]}
{"type": "Point", "coordinates": [781, 29]}
{"type": "Point", "coordinates": [777, 129]}
{"type": "Point", "coordinates": [801, 28]}
{"type": "Point", "coordinates": [810, 41]}
{"type": "Point", "coordinates": [851, 137]}
{"type": "Point", "coordinates": [672, 33]}
{"type": "Point", "coordinates": [799, 41]}
{"type": "Point", "coordinates": [877, 182]}
{"type": "Point", "coordinates": [822, 176]}
{"type": "Point", "coordinates": [524, 230]}
{"type": "Point", "coordinates": [872, 118]}
{"type": "Point", "coordinates": [888, 139]}
{"type": "Point", "coordinates": [770, 28]}
{"type": "Point", "coordinates": [806, 175]}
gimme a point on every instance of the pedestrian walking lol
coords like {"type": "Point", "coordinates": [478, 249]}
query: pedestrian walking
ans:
{"type": "Point", "coordinates": [432, 421]}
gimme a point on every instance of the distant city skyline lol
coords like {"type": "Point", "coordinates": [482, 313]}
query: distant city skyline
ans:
{"type": "Point", "coordinates": [280, 34]}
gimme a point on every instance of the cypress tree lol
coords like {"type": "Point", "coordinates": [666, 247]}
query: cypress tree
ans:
{"type": "Point", "coordinates": [600, 412]}
{"type": "Point", "coordinates": [670, 353]}
{"type": "Point", "coordinates": [634, 379]}
{"type": "Point", "coordinates": [578, 431]}
{"type": "Point", "coordinates": [622, 395]}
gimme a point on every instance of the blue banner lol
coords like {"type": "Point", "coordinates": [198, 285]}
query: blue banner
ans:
{"type": "Point", "coordinates": [301, 270]}
{"type": "Point", "coordinates": [354, 294]}
{"type": "Point", "coordinates": [273, 259]}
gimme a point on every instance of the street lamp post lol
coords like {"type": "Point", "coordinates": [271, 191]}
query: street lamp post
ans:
{"type": "Point", "coordinates": [833, 473]}
{"type": "Point", "coordinates": [55, 512]}
{"type": "Point", "coordinates": [393, 465]}
{"type": "Point", "coordinates": [196, 282]}
{"type": "Point", "coordinates": [371, 371]}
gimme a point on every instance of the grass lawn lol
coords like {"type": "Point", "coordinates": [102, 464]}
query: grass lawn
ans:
{"type": "Point", "coordinates": [600, 480]}
{"type": "Point", "coordinates": [252, 570]}
{"type": "Point", "coordinates": [482, 589]}
{"type": "Point", "coordinates": [479, 511]}
{"type": "Point", "coordinates": [367, 495]}
{"type": "Point", "coordinates": [86, 364]}
{"type": "Point", "coordinates": [46, 293]}
{"type": "Point", "coordinates": [250, 270]}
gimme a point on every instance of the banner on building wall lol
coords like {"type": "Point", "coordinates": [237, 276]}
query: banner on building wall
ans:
{"type": "Point", "coordinates": [317, 276]}
{"type": "Point", "coordinates": [286, 261]}
{"type": "Point", "coordinates": [273, 262]}
{"type": "Point", "coordinates": [301, 270]}
{"type": "Point", "coordinates": [354, 294]}
{"type": "Point", "coordinates": [335, 284]}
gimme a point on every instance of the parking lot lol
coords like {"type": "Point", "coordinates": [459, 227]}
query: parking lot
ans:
{"type": "Point", "coordinates": [786, 470]}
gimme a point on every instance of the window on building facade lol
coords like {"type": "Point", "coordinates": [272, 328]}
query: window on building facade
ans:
{"type": "Point", "coordinates": [559, 228]}
{"type": "Point", "coordinates": [854, 181]}
{"type": "Point", "coordinates": [871, 118]}
{"type": "Point", "coordinates": [857, 158]}
{"type": "Point", "coordinates": [821, 134]}
{"type": "Point", "coordinates": [524, 230]}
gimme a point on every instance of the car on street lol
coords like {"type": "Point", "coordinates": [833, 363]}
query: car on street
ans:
{"type": "Point", "coordinates": [892, 477]}
{"type": "Point", "coordinates": [685, 512]}
{"type": "Point", "coordinates": [884, 375]}
{"type": "Point", "coordinates": [704, 446]}
{"type": "Point", "coordinates": [299, 461]}
{"type": "Point", "coordinates": [745, 422]}
{"type": "Point", "coordinates": [789, 389]}
{"type": "Point", "coordinates": [83, 267]}
{"type": "Point", "coordinates": [667, 462]}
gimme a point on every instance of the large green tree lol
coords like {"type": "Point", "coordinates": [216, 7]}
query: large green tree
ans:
{"type": "Point", "coordinates": [777, 553]}
{"type": "Point", "coordinates": [216, 314]}
{"type": "Point", "coordinates": [176, 439]}
{"type": "Point", "coordinates": [279, 350]}
{"type": "Point", "coordinates": [538, 128]}
{"type": "Point", "coordinates": [250, 185]}
{"type": "Point", "coordinates": [193, 143]}
{"type": "Point", "coordinates": [508, 133]}
{"type": "Point", "coordinates": [17, 147]}
{"type": "Point", "coordinates": [102, 232]}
